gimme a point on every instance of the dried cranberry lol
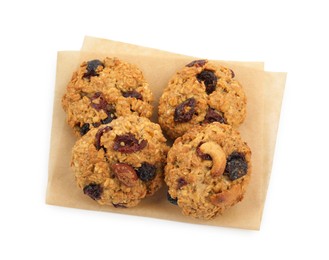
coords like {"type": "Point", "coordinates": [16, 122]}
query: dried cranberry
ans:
{"type": "Point", "coordinates": [202, 155]}
{"type": "Point", "coordinates": [84, 129]}
{"type": "Point", "coordinates": [197, 63]}
{"type": "Point", "coordinates": [185, 110]}
{"type": "Point", "coordinates": [91, 68]}
{"type": "Point", "coordinates": [132, 94]}
{"type": "Point", "coordinates": [93, 190]}
{"type": "Point", "coordinates": [128, 143]}
{"type": "Point", "coordinates": [101, 104]}
{"type": "Point", "coordinates": [236, 166]}
{"type": "Point", "coordinates": [146, 172]}
{"type": "Point", "coordinates": [214, 116]}
{"type": "Point", "coordinates": [98, 136]}
{"type": "Point", "coordinates": [171, 200]}
{"type": "Point", "coordinates": [209, 79]}
{"type": "Point", "coordinates": [181, 182]}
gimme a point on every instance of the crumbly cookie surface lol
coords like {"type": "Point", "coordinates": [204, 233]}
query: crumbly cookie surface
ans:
{"type": "Point", "coordinates": [202, 92]}
{"type": "Point", "coordinates": [100, 91]}
{"type": "Point", "coordinates": [208, 170]}
{"type": "Point", "coordinates": [122, 162]}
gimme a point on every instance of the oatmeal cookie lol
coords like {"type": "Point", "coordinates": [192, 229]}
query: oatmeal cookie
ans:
{"type": "Point", "coordinates": [202, 92]}
{"type": "Point", "coordinates": [208, 170]}
{"type": "Point", "coordinates": [100, 91]}
{"type": "Point", "coordinates": [122, 162]}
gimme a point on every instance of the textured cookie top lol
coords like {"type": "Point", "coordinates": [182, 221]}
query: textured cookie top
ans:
{"type": "Point", "coordinates": [100, 91]}
{"type": "Point", "coordinates": [202, 92]}
{"type": "Point", "coordinates": [207, 170]}
{"type": "Point", "coordinates": [121, 162]}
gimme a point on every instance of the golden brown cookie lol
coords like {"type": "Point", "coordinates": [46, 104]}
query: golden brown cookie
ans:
{"type": "Point", "coordinates": [208, 170]}
{"type": "Point", "coordinates": [202, 92]}
{"type": "Point", "coordinates": [100, 91]}
{"type": "Point", "coordinates": [122, 162]}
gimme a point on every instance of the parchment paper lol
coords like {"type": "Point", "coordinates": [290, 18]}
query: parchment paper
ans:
{"type": "Point", "coordinates": [92, 44]}
{"type": "Point", "coordinates": [264, 91]}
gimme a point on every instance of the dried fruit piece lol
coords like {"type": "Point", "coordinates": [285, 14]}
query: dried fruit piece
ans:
{"type": "Point", "coordinates": [125, 174]}
{"type": "Point", "coordinates": [214, 116]}
{"type": "Point", "coordinates": [185, 110]}
{"type": "Point", "coordinates": [171, 200]}
{"type": "Point", "coordinates": [98, 136]}
{"type": "Point", "coordinates": [93, 190]}
{"type": "Point", "coordinates": [132, 94]}
{"type": "Point", "coordinates": [97, 124]}
{"type": "Point", "coordinates": [181, 182]}
{"type": "Point", "coordinates": [236, 166]}
{"type": "Point", "coordinates": [128, 143]}
{"type": "Point", "coordinates": [202, 155]}
{"type": "Point", "coordinates": [146, 172]}
{"type": "Point", "coordinates": [197, 63]}
{"type": "Point", "coordinates": [107, 120]}
{"type": "Point", "coordinates": [91, 68]}
{"type": "Point", "coordinates": [98, 101]}
{"type": "Point", "coordinates": [84, 129]}
{"type": "Point", "coordinates": [110, 111]}
{"type": "Point", "coordinates": [209, 79]}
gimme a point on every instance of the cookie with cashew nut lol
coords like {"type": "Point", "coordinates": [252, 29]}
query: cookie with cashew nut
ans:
{"type": "Point", "coordinates": [208, 170]}
{"type": "Point", "coordinates": [120, 163]}
{"type": "Point", "coordinates": [102, 90]}
{"type": "Point", "coordinates": [201, 92]}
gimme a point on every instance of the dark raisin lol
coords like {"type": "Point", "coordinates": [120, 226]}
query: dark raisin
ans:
{"type": "Point", "coordinates": [214, 116]}
{"type": "Point", "coordinates": [171, 200]}
{"type": "Point", "coordinates": [119, 205]}
{"type": "Point", "coordinates": [202, 155]}
{"type": "Point", "coordinates": [93, 190]}
{"type": "Point", "coordinates": [146, 172]}
{"type": "Point", "coordinates": [185, 110]}
{"type": "Point", "coordinates": [181, 182]}
{"type": "Point", "coordinates": [236, 166]}
{"type": "Point", "coordinates": [128, 143]}
{"type": "Point", "coordinates": [132, 94]}
{"type": "Point", "coordinates": [97, 124]}
{"type": "Point", "coordinates": [209, 79]}
{"type": "Point", "coordinates": [110, 111]}
{"type": "Point", "coordinates": [84, 129]}
{"type": "Point", "coordinates": [91, 68]}
{"type": "Point", "coordinates": [232, 74]}
{"type": "Point", "coordinates": [98, 136]}
{"type": "Point", "coordinates": [98, 101]}
{"type": "Point", "coordinates": [197, 63]}
{"type": "Point", "coordinates": [107, 120]}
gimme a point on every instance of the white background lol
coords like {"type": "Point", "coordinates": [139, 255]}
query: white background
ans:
{"type": "Point", "coordinates": [289, 36]}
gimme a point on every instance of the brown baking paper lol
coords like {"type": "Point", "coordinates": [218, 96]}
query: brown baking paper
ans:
{"type": "Point", "coordinates": [92, 44]}
{"type": "Point", "coordinates": [264, 91]}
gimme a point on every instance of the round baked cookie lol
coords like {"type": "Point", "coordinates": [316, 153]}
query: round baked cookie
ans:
{"type": "Point", "coordinates": [208, 169]}
{"type": "Point", "coordinates": [100, 91]}
{"type": "Point", "coordinates": [122, 162]}
{"type": "Point", "coordinates": [202, 92]}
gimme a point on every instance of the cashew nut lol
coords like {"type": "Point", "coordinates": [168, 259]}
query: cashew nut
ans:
{"type": "Point", "coordinates": [217, 155]}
